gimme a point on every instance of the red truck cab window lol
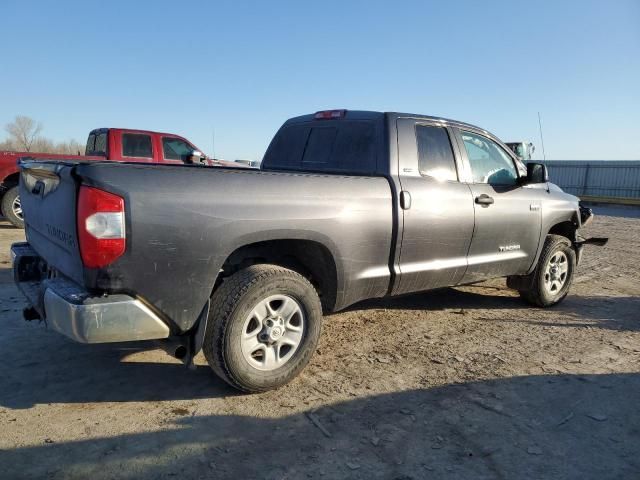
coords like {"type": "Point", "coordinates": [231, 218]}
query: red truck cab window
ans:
{"type": "Point", "coordinates": [136, 145]}
{"type": "Point", "coordinates": [96, 144]}
{"type": "Point", "coordinates": [176, 149]}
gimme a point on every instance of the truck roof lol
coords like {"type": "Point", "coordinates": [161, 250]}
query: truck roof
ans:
{"type": "Point", "coordinates": [137, 130]}
{"type": "Point", "coordinates": [376, 115]}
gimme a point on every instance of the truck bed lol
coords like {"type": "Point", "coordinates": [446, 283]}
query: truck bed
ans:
{"type": "Point", "coordinates": [182, 222]}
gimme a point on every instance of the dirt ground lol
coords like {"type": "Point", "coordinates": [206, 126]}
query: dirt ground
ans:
{"type": "Point", "coordinates": [457, 383]}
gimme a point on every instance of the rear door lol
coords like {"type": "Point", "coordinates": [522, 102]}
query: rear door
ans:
{"type": "Point", "coordinates": [438, 223]}
{"type": "Point", "coordinates": [507, 214]}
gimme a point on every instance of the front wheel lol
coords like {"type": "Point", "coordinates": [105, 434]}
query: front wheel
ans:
{"type": "Point", "coordinates": [554, 273]}
{"type": "Point", "coordinates": [263, 327]}
{"type": "Point", "coordinates": [11, 207]}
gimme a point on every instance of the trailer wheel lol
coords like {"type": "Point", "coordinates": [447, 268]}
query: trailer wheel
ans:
{"type": "Point", "coordinates": [11, 207]}
{"type": "Point", "coordinates": [553, 274]}
{"type": "Point", "coordinates": [263, 327]}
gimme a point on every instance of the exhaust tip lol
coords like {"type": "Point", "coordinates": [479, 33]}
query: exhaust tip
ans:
{"type": "Point", "coordinates": [176, 347]}
{"type": "Point", "coordinates": [30, 314]}
{"type": "Point", "coordinates": [180, 352]}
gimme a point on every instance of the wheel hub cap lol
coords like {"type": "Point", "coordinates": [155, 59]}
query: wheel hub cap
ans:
{"type": "Point", "coordinates": [276, 330]}
{"type": "Point", "coordinates": [17, 208]}
{"type": "Point", "coordinates": [272, 332]}
{"type": "Point", "coordinates": [556, 271]}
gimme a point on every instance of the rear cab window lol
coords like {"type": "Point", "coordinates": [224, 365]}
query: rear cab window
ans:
{"type": "Point", "coordinates": [91, 141]}
{"type": "Point", "coordinates": [96, 144]}
{"type": "Point", "coordinates": [101, 144]}
{"type": "Point", "coordinates": [338, 146]}
{"type": "Point", "coordinates": [136, 145]}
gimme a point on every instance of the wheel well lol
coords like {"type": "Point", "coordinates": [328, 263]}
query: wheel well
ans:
{"type": "Point", "coordinates": [10, 181]}
{"type": "Point", "coordinates": [566, 229]}
{"type": "Point", "coordinates": [309, 258]}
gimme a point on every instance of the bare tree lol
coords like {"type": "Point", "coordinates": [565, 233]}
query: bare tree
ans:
{"type": "Point", "coordinates": [7, 145]}
{"type": "Point", "coordinates": [23, 131]}
{"type": "Point", "coordinates": [24, 136]}
{"type": "Point", "coordinates": [42, 145]}
{"type": "Point", "coordinates": [70, 147]}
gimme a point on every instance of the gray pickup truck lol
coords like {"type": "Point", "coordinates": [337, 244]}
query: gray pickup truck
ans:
{"type": "Point", "coordinates": [347, 205]}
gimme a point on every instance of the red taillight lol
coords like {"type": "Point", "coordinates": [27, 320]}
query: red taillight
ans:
{"type": "Point", "coordinates": [329, 114]}
{"type": "Point", "coordinates": [101, 229]}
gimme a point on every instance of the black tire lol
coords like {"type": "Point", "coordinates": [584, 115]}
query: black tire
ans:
{"type": "Point", "coordinates": [232, 303]}
{"type": "Point", "coordinates": [8, 200]}
{"type": "Point", "coordinates": [538, 294]}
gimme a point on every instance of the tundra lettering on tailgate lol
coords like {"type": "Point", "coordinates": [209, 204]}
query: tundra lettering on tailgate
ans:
{"type": "Point", "coordinates": [61, 235]}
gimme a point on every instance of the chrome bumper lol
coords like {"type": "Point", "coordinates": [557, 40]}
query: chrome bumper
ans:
{"type": "Point", "coordinates": [74, 312]}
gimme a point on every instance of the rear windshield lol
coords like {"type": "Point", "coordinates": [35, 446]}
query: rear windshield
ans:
{"type": "Point", "coordinates": [330, 146]}
{"type": "Point", "coordinates": [96, 144]}
{"type": "Point", "coordinates": [91, 141]}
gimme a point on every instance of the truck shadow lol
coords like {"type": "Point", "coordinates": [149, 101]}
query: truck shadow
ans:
{"type": "Point", "coordinates": [475, 297]}
{"type": "Point", "coordinates": [558, 427]}
{"type": "Point", "coordinates": [65, 372]}
{"type": "Point", "coordinates": [41, 366]}
{"type": "Point", "coordinates": [612, 313]}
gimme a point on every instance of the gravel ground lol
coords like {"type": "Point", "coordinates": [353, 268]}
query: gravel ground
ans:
{"type": "Point", "coordinates": [456, 383]}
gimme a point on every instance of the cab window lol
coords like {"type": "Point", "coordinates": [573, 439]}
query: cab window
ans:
{"type": "Point", "coordinates": [176, 149]}
{"type": "Point", "coordinates": [489, 162]}
{"type": "Point", "coordinates": [327, 146]}
{"type": "Point", "coordinates": [96, 144]}
{"type": "Point", "coordinates": [136, 145]}
{"type": "Point", "coordinates": [100, 147]}
{"type": "Point", "coordinates": [91, 141]}
{"type": "Point", "coordinates": [435, 155]}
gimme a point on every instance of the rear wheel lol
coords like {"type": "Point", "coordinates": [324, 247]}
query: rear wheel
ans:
{"type": "Point", "coordinates": [553, 274]}
{"type": "Point", "coordinates": [263, 327]}
{"type": "Point", "coordinates": [11, 207]}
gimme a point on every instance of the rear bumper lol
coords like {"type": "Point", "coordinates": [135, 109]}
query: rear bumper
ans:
{"type": "Point", "coordinates": [74, 312]}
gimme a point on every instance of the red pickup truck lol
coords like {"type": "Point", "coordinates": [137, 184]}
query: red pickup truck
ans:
{"type": "Point", "coordinates": [115, 144]}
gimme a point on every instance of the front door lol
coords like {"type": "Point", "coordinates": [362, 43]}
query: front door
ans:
{"type": "Point", "coordinates": [507, 215]}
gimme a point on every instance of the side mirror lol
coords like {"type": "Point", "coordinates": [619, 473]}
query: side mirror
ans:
{"type": "Point", "coordinates": [537, 173]}
{"type": "Point", "coordinates": [195, 157]}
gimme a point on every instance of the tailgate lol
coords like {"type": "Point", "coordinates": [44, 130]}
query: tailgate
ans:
{"type": "Point", "coordinates": [48, 193]}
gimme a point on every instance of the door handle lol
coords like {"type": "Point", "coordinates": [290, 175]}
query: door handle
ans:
{"type": "Point", "coordinates": [405, 200]}
{"type": "Point", "coordinates": [484, 200]}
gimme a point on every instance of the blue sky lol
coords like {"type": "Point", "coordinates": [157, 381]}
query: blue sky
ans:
{"type": "Point", "coordinates": [242, 68]}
